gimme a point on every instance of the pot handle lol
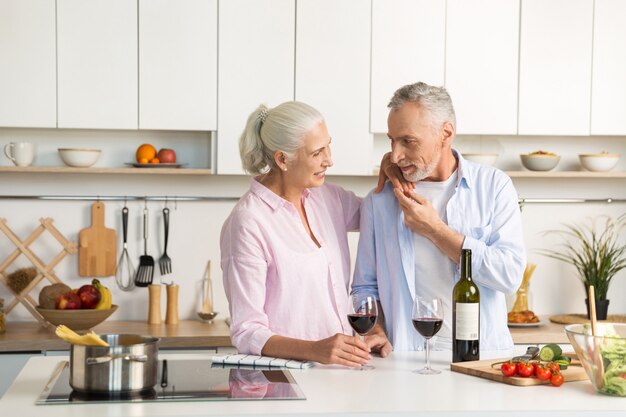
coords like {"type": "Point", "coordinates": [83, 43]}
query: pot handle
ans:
{"type": "Point", "coordinates": [109, 358]}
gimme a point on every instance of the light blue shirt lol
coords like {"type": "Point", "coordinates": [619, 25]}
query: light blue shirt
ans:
{"type": "Point", "coordinates": [484, 208]}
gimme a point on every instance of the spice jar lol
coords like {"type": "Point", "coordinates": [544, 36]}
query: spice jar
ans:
{"type": "Point", "coordinates": [3, 327]}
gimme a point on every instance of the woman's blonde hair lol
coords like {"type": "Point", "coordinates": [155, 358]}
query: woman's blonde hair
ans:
{"type": "Point", "coordinates": [281, 128]}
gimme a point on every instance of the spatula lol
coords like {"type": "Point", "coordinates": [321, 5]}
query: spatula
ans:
{"type": "Point", "coordinates": [597, 356]}
{"type": "Point", "coordinates": [145, 271]}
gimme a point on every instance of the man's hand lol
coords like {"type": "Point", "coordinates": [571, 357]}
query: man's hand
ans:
{"type": "Point", "coordinates": [378, 342]}
{"type": "Point", "coordinates": [390, 171]}
{"type": "Point", "coordinates": [342, 350]}
{"type": "Point", "coordinates": [419, 215]}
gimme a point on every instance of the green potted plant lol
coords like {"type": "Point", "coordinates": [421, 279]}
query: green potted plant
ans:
{"type": "Point", "coordinates": [596, 254]}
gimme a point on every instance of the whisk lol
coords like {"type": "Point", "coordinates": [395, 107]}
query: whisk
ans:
{"type": "Point", "coordinates": [125, 273]}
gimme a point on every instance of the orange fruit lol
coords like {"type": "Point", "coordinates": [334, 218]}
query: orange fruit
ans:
{"type": "Point", "coordinates": [145, 151]}
{"type": "Point", "coordinates": [143, 161]}
{"type": "Point", "coordinates": [155, 161]}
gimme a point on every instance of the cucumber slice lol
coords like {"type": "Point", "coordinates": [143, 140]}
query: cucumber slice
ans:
{"type": "Point", "coordinates": [550, 352]}
{"type": "Point", "coordinates": [564, 359]}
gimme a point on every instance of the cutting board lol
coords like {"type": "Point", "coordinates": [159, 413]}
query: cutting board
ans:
{"type": "Point", "coordinates": [97, 246]}
{"type": "Point", "coordinates": [483, 369]}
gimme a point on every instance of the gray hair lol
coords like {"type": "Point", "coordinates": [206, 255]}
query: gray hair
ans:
{"type": "Point", "coordinates": [435, 100]}
{"type": "Point", "coordinates": [281, 128]}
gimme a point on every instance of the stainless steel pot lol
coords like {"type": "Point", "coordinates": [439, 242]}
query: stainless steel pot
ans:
{"type": "Point", "coordinates": [128, 365]}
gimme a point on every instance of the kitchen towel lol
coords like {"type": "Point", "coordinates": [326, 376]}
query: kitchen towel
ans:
{"type": "Point", "coordinates": [254, 360]}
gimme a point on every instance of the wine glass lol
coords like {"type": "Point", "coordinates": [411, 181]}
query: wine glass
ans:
{"type": "Point", "coordinates": [427, 320]}
{"type": "Point", "coordinates": [362, 317]}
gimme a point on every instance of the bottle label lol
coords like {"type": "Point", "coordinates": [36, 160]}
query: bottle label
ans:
{"type": "Point", "coordinates": [467, 321]}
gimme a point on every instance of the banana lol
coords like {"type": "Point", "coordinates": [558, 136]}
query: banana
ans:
{"type": "Point", "coordinates": [106, 299]}
{"type": "Point", "coordinates": [88, 339]}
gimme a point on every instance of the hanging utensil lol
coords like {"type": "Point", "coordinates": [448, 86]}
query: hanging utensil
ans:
{"type": "Point", "coordinates": [125, 275]}
{"type": "Point", "coordinates": [146, 262]}
{"type": "Point", "coordinates": [165, 263]}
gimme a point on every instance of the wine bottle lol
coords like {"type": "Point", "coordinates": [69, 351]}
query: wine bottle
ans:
{"type": "Point", "coordinates": [465, 314]}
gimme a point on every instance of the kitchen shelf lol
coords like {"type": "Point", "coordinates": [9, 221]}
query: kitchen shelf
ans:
{"type": "Point", "coordinates": [109, 170]}
{"type": "Point", "coordinates": [565, 174]}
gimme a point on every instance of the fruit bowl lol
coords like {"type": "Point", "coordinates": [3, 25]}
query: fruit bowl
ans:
{"type": "Point", "coordinates": [540, 161]}
{"type": "Point", "coordinates": [83, 319]}
{"type": "Point", "coordinates": [600, 162]}
{"type": "Point", "coordinates": [482, 158]}
{"type": "Point", "coordinates": [602, 356]}
{"type": "Point", "coordinates": [79, 157]}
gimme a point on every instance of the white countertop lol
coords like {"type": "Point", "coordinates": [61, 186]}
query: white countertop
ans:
{"type": "Point", "coordinates": [389, 390]}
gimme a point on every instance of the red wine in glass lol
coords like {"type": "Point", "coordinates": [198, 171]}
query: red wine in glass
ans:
{"type": "Point", "coordinates": [427, 326]}
{"type": "Point", "coordinates": [362, 323]}
{"type": "Point", "coordinates": [362, 317]}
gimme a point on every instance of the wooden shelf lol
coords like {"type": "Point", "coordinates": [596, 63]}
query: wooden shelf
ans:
{"type": "Point", "coordinates": [108, 170]}
{"type": "Point", "coordinates": [565, 174]}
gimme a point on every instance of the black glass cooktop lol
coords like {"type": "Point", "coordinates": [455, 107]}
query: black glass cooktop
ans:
{"type": "Point", "coordinates": [186, 380]}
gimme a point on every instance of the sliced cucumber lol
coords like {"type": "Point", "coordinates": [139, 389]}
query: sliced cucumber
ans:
{"type": "Point", "coordinates": [564, 359]}
{"type": "Point", "coordinates": [550, 352]}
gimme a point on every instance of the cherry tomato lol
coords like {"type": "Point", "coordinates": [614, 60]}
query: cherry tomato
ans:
{"type": "Point", "coordinates": [557, 380]}
{"type": "Point", "coordinates": [524, 369]}
{"type": "Point", "coordinates": [535, 367]}
{"type": "Point", "coordinates": [508, 369]}
{"type": "Point", "coordinates": [554, 367]}
{"type": "Point", "coordinates": [544, 373]}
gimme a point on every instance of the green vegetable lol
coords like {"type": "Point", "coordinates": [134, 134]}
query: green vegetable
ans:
{"type": "Point", "coordinates": [550, 352]}
{"type": "Point", "coordinates": [614, 357]}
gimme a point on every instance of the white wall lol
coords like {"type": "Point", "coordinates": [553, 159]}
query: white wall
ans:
{"type": "Point", "coordinates": [195, 226]}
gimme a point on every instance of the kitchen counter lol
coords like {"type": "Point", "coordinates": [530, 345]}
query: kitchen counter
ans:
{"type": "Point", "coordinates": [31, 336]}
{"type": "Point", "coordinates": [390, 390]}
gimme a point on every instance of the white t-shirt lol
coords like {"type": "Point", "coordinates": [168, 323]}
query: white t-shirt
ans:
{"type": "Point", "coordinates": [434, 271]}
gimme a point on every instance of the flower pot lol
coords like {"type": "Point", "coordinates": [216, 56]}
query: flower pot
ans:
{"type": "Point", "coordinates": [602, 307]}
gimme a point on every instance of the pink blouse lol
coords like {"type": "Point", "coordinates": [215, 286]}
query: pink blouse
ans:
{"type": "Point", "coordinates": [277, 281]}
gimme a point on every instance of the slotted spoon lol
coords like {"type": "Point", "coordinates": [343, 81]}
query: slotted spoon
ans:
{"type": "Point", "coordinates": [146, 262]}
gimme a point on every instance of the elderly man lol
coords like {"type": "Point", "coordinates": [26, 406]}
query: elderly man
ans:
{"type": "Point", "coordinates": [411, 241]}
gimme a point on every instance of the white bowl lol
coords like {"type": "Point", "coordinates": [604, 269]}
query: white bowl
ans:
{"type": "Point", "coordinates": [482, 158]}
{"type": "Point", "coordinates": [79, 157]}
{"type": "Point", "coordinates": [599, 162]}
{"type": "Point", "coordinates": [540, 162]}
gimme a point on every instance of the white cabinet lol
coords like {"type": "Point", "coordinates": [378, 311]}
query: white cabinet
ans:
{"type": "Point", "coordinates": [333, 75]}
{"type": "Point", "coordinates": [408, 45]}
{"type": "Point", "coordinates": [178, 64]}
{"type": "Point", "coordinates": [27, 63]}
{"type": "Point", "coordinates": [555, 67]}
{"type": "Point", "coordinates": [608, 88]}
{"type": "Point", "coordinates": [97, 64]}
{"type": "Point", "coordinates": [256, 65]}
{"type": "Point", "coordinates": [482, 45]}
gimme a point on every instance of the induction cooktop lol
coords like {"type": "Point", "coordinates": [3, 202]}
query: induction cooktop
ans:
{"type": "Point", "coordinates": [186, 380]}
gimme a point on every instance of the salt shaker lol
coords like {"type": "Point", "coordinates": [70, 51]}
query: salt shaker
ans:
{"type": "Point", "coordinates": [171, 312]}
{"type": "Point", "coordinates": [154, 311]}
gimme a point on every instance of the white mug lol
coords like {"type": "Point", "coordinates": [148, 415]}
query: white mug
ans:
{"type": "Point", "coordinates": [21, 153]}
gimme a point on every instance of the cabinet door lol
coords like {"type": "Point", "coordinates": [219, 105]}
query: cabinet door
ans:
{"type": "Point", "coordinates": [608, 89]}
{"type": "Point", "coordinates": [178, 64]}
{"type": "Point", "coordinates": [333, 75]}
{"type": "Point", "coordinates": [27, 63]}
{"type": "Point", "coordinates": [256, 65]}
{"type": "Point", "coordinates": [555, 67]}
{"type": "Point", "coordinates": [97, 64]}
{"type": "Point", "coordinates": [482, 45]}
{"type": "Point", "coordinates": [408, 44]}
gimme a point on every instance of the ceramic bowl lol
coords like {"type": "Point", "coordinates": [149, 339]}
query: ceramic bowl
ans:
{"type": "Point", "coordinates": [540, 161]}
{"type": "Point", "coordinates": [83, 319]}
{"type": "Point", "coordinates": [601, 355]}
{"type": "Point", "coordinates": [600, 162]}
{"type": "Point", "coordinates": [482, 158]}
{"type": "Point", "coordinates": [79, 157]}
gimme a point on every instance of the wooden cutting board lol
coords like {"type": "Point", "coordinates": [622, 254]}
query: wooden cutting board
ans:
{"type": "Point", "coordinates": [97, 247]}
{"type": "Point", "coordinates": [483, 369]}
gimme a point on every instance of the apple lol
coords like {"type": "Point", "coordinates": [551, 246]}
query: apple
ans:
{"type": "Point", "coordinates": [167, 156]}
{"type": "Point", "coordinates": [89, 296]}
{"type": "Point", "coordinates": [68, 301]}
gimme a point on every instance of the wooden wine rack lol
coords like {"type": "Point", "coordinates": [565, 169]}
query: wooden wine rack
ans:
{"type": "Point", "coordinates": [44, 271]}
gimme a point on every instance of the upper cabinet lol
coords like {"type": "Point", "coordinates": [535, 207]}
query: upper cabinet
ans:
{"type": "Point", "coordinates": [482, 46]}
{"type": "Point", "coordinates": [256, 65]}
{"type": "Point", "coordinates": [27, 63]}
{"type": "Point", "coordinates": [178, 64]}
{"type": "Point", "coordinates": [97, 64]}
{"type": "Point", "coordinates": [333, 75]}
{"type": "Point", "coordinates": [408, 45]}
{"type": "Point", "coordinates": [555, 67]}
{"type": "Point", "coordinates": [608, 88]}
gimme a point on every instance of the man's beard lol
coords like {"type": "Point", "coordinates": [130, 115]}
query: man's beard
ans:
{"type": "Point", "coordinates": [421, 173]}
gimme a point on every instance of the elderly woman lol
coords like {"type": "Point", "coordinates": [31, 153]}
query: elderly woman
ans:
{"type": "Point", "coordinates": [284, 247]}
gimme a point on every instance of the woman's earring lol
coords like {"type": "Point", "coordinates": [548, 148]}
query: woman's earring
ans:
{"type": "Point", "coordinates": [284, 168]}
